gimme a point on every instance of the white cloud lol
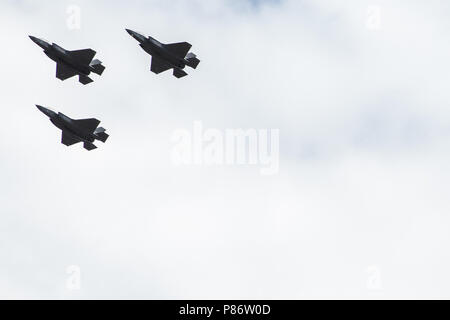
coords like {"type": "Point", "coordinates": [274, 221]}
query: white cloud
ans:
{"type": "Point", "coordinates": [363, 125]}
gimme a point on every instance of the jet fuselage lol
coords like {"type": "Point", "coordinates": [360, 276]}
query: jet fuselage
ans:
{"type": "Point", "coordinates": [61, 55]}
{"type": "Point", "coordinates": [64, 123]}
{"type": "Point", "coordinates": [154, 47]}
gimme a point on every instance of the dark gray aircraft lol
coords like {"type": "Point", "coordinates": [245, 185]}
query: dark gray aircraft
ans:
{"type": "Point", "coordinates": [74, 131]}
{"type": "Point", "coordinates": [71, 63]}
{"type": "Point", "coordinates": [167, 56]}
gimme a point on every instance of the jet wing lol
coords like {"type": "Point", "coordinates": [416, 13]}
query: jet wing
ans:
{"type": "Point", "coordinates": [88, 124]}
{"type": "Point", "coordinates": [83, 56]}
{"type": "Point", "coordinates": [64, 72]}
{"type": "Point", "coordinates": [159, 65]}
{"type": "Point", "coordinates": [180, 49]}
{"type": "Point", "coordinates": [69, 139]}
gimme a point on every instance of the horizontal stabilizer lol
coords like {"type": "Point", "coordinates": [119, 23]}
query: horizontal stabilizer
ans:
{"type": "Point", "coordinates": [102, 136]}
{"type": "Point", "coordinates": [179, 49]}
{"type": "Point", "coordinates": [97, 66]}
{"type": "Point", "coordinates": [179, 73]}
{"type": "Point", "coordinates": [192, 59]}
{"type": "Point", "coordinates": [84, 79]}
{"type": "Point", "coordinates": [89, 146]}
{"type": "Point", "coordinates": [83, 56]}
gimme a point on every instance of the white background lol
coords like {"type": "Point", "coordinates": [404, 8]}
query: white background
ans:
{"type": "Point", "coordinates": [359, 208]}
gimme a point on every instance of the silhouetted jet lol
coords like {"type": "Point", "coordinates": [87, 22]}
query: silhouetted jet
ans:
{"type": "Point", "coordinates": [74, 131]}
{"type": "Point", "coordinates": [167, 56]}
{"type": "Point", "coordinates": [71, 63]}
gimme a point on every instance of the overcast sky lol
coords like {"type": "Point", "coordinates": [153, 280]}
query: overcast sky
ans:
{"type": "Point", "coordinates": [358, 209]}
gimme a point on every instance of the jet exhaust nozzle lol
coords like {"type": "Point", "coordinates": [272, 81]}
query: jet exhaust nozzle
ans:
{"type": "Point", "coordinates": [101, 134]}
{"type": "Point", "coordinates": [192, 60]}
{"type": "Point", "coordinates": [97, 67]}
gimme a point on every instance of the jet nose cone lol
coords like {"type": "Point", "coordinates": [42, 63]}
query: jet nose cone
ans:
{"type": "Point", "coordinates": [139, 37]}
{"type": "Point", "coordinates": [41, 43]}
{"type": "Point", "coordinates": [41, 108]}
{"type": "Point", "coordinates": [49, 113]}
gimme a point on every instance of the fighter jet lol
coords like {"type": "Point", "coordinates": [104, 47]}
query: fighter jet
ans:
{"type": "Point", "coordinates": [71, 63]}
{"type": "Point", "coordinates": [74, 131]}
{"type": "Point", "coordinates": [167, 56]}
